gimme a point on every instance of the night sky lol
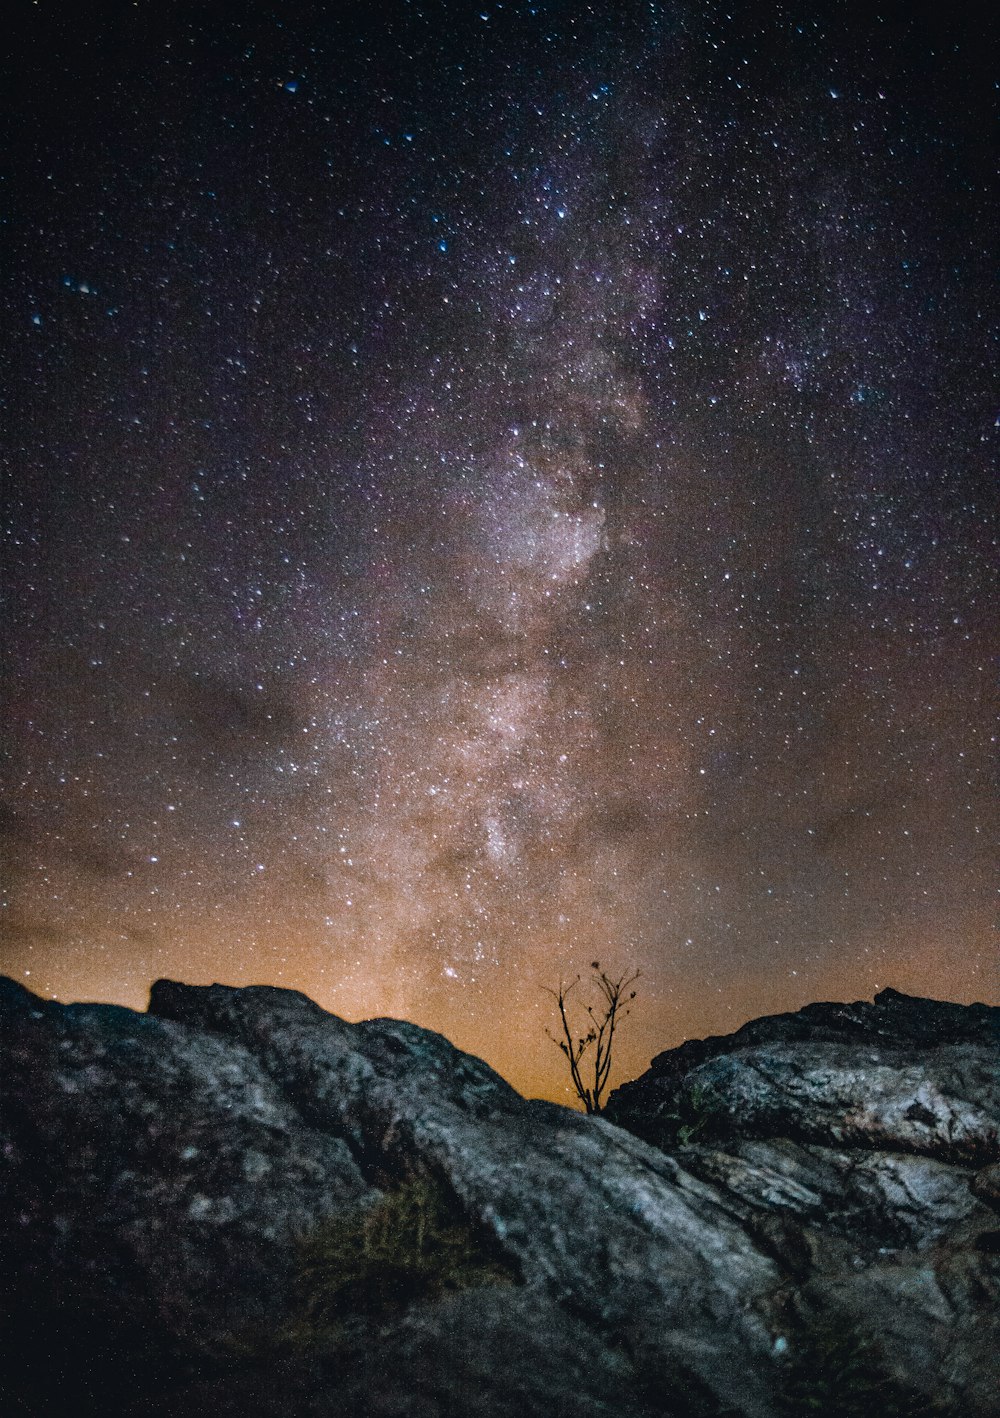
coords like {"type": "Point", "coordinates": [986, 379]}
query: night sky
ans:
{"type": "Point", "coordinates": [490, 487]}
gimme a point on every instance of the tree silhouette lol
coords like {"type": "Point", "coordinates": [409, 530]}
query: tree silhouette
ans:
{"type": "Point", "coordinates": [603, 1018]}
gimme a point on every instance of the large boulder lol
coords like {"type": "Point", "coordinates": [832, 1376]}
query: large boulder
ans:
{"type": "Point", "coordinates": [161, 1171]}
{"type": "Point", "coordinates": [909, 1074]}
{"type": "Point", "coordinates": [860, 1144]}
{"type": "Point", "coordinates": [152, 1177]}
{"type": "Point", "coordinates": [589, 1218]}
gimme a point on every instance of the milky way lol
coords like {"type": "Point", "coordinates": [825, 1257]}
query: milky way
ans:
{"type": "Point", "coordinates": [491, 488]}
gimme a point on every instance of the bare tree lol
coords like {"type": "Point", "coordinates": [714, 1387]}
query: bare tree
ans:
{"type": "Point", "coordinates": [603, 1018]}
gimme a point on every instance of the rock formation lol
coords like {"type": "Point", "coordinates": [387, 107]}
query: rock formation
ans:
{"type": "Point", "coordinates": [858, 1143]}
{"type": "Point", "coordinates": [801, 1215]}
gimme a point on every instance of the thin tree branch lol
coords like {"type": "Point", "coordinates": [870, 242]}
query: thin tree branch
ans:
{"type": "Point", "coordinates": [603, 1021]}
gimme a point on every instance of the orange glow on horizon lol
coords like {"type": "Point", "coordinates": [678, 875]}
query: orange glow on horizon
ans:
{"type": "Point", "coordinates": [506, 1026]}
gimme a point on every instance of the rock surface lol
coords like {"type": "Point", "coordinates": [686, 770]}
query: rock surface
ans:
{"type": "Point", "coordinates": [831, 1173]}
{"type": "Point", "coordinates": [862, 1141]}
{"type": "Point", "coordinates": [905, 1074]}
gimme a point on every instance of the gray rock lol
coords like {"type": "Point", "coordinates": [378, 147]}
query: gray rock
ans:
{"type": "Point", "coordinates": [891, 1199]}
{"type": "Point", "coordinates": [596, 1220]}
{"type": "Point", "coordinates": [986, 1185]}
{"type": "Point", "coordinates": [841, 1095]}
{"type": "Point", "coordinates": [857, 1144]}
{"type": "Point", "coordinates": [160, 1171]}
{"type": "Point", "coordinates": [142, 1160]}
{"type": "Point", "coordinates": [161, 1166]}
{"type": "Point", "coordinates": [901, 1073]}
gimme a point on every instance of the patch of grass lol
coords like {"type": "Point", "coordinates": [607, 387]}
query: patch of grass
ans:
{"type": "Point", "coordinates": [414, 1244]}
{"type": "Point", "coordinates": [697, 1112]}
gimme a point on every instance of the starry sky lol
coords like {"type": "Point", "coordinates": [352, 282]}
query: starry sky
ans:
{"type": "Point", "coordinates": [494, 486]}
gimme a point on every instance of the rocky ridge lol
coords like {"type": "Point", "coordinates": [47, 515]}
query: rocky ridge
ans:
{"type": "Point", "coordinates": [823, 1183]}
